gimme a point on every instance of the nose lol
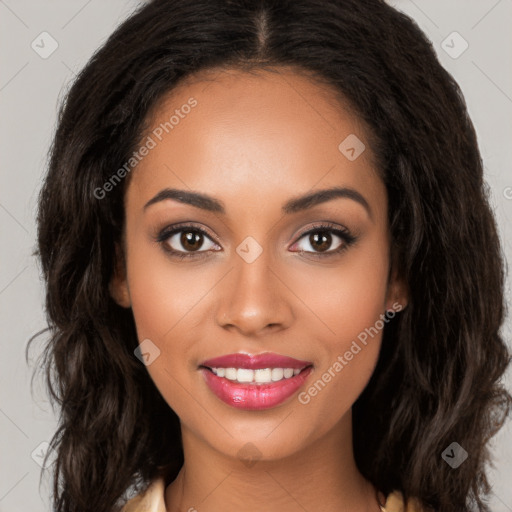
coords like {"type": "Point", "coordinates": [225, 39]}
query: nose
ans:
{"type": "Point", "coordinates": [254, 300]}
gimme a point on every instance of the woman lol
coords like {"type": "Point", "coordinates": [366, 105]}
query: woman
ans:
{"type": "Point", "coordinates": [274, 281]}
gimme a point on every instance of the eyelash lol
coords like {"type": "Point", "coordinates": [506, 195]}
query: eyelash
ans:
{"type": "Point", "coordinates": [347, 240]}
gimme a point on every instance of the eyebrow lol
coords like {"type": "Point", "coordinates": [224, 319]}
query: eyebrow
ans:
{"type": "Point", "coordinates": [293, 205]}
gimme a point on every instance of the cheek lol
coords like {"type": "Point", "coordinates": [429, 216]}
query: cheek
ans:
{"type": "Point", "coordinates": [162, 292]}
{"type": "Point", "coordinates": [350, 295]}
{"type": "Point", "coordinates": [349, 301]}
{"type": "Point", "coordinates": [162, 301]}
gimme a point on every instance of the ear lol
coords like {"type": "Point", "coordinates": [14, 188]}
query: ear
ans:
{"type": "Point", "coordinates": [397, 296]}
{"type": "Point", "coordinates": [118, 286]}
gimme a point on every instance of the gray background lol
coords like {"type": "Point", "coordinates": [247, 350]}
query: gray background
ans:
{"type": "Point", "coordinates": [30, 88]}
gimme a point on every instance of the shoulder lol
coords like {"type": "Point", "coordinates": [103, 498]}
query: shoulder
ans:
{"type": "Point", "coordinates": [395, 503]}
{"type": "Point", "coordinates": [153, 500]}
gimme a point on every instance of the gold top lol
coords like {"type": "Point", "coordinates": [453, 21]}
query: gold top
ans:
{"type": "Point", "coordinates": [153, 500]}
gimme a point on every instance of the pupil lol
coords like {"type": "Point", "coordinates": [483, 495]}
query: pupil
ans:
{"type": "Point", "coordinates": [190, 240]}
{"type": "Point", "coordinates": [324, 243]}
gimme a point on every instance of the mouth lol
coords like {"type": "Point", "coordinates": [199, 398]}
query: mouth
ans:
{"type": "Point", "coordinates": [255, 382]}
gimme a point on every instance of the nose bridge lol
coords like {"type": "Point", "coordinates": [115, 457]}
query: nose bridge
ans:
{"type": "Point", "coordinates": [253, 297]}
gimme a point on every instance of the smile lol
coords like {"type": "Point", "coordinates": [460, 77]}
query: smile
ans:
{"type": "Point", "coordinates": [254, 382]}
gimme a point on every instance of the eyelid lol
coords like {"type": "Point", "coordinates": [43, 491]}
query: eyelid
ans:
{"type": "Point", "coordinates": [325, 226]}
{"type": "Point", "coordinates": [170, 230]}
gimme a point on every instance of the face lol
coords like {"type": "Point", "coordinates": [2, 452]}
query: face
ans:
{"type": "Point", "coordinates": [265, 265]}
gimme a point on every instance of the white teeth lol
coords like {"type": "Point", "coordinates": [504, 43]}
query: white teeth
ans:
{"type": "Point", "coordinates": [230, 373]}
{"type": "Point", "coordinates": [262, 375]}
{"type": "Point", "coordinates": [259, 376]}
{"type": "Point", "coordinates": [277, 374]}
{"type": "Point", "coordinates": [244, 375]}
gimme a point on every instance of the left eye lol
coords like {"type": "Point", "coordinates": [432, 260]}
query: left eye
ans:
{"type": "Point", "coordinates": [322, 239]}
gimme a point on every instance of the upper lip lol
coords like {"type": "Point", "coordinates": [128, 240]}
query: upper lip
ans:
{"type": "Point", "coordinates": [266, 360]}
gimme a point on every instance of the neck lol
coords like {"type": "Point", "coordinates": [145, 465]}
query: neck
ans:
{"type": "Point", "coordinates": [323, 475]}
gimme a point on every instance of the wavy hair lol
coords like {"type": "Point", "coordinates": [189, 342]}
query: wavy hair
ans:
{"type": "Point", "coordinates": [438, 377]}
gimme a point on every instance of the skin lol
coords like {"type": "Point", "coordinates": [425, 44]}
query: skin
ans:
{"type": "Point", "coordinates": [254, 141]}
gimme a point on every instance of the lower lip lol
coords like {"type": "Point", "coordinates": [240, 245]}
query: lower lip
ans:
{"type": "Point", "coordinates": [254, 397]}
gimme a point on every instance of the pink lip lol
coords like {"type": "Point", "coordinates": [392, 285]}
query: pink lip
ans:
{"type": "Point", "coordinates": [266, 360]}
{"type": "Point", "coordinates": [251, 396]}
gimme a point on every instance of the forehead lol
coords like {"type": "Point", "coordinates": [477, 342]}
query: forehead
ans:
{"type": "Point", "coordinates": [234, 133]}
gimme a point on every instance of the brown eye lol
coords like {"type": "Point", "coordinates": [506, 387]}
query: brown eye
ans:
{"type": "Point", "coordinates": [324, 240]}
{"type": "Point", "coordinates": [191, 240]}
{"type": "Point", "coordinates": [320, 241]}
{"type": "Point", "coordinates": [183, 241]}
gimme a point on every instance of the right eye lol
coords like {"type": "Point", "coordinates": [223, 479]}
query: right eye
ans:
{"type": "Point", "coordinates": [185, 241]}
